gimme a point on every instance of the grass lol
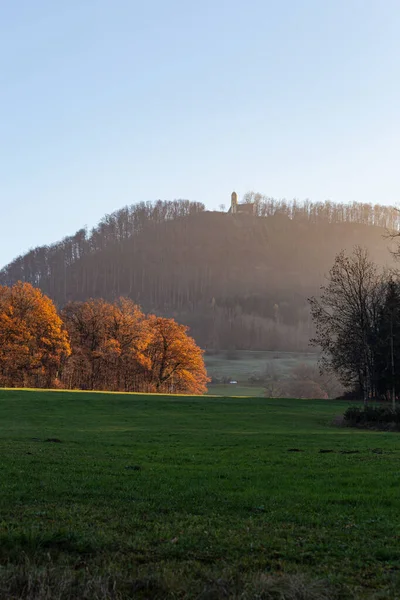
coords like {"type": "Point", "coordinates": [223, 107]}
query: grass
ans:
{"type": "Point", "coordinates": [227, 390]}
{"type": "Point", "coordinates": [193, 497]}
{"type": "Point", "coordinates": [240, 365]}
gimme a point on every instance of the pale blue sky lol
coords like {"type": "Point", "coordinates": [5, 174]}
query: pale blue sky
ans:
{"type": "Point", "coordinates": [110, 102]}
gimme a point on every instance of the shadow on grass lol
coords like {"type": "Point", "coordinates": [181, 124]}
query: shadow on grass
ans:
{"type": "Point", "coordinates": [31, 544]}
{"type": "Point", "coordinates": [28, 582]}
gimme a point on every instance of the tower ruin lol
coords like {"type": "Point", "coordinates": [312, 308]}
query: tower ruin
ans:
{"type": "Point", "coordinates": [234, 202]}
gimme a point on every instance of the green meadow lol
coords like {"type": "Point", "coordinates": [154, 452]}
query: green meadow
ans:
{"type": "Point", "coordinates": [139, 496]}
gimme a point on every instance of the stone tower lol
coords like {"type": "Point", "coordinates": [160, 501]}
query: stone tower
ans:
{"type": "Point", "coordinates": [234, 202]}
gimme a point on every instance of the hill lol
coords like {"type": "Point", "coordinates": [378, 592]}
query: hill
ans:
{"type": "Point", "coordinates": [239, 281]}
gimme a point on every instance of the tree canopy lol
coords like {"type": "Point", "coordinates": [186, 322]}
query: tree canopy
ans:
{"type": "Point", "coordinates": [95, 345]}
{"type": "Point", "coordinates": [34, 344]}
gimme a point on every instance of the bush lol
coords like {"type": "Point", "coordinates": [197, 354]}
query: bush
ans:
{"type": "Point", "coordinates": [379, 415]}
{"type": "Point", "coordinates": [355, 394]}
{"type": "Point", "coordinates": [256, 379]}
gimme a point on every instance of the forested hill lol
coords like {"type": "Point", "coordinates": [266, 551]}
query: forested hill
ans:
{"type": "Point", "coordinates": [238, 281]}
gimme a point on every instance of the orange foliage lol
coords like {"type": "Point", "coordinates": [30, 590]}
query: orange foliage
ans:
{"type": "Point", "coordinates": [99, 346]}
{"type": "Point", "coordinates": [33, 341]}
{"type": "Point", "coordinates": [115, 347]}
{"type": "Point", "coordinates": [176, 362]}
{"type": "Point", "coordinates": [107, 341]}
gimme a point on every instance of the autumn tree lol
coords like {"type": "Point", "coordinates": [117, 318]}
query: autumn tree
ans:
{"type": "Point", "coordinates": [176, 363]}
{"type": "Point", "coordinates": [33, 342]}
{"type": "Point", "coordinates": [108, 343]}
{"type": "Point", "coordinates": [115, 347]}
{"type": "Point", "coordinates": [130, 335]}
{"type": "Point", "coordinates": [86, 323]}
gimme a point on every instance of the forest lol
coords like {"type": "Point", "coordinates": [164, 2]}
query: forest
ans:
{"type": "Point", "coordinates": [238, 281]}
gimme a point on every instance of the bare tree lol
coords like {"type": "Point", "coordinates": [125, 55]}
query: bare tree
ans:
{"type": "Point", "coordinates": [273, 381]}
{"type": "Point", "coordinates": [346, 317]}
{"type": "Point", "coordinates": [306, 381]}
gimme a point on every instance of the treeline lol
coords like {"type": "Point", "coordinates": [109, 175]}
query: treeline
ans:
{"type": "Point", "coordinates": [237, 281]}
{"type": "Point", "coordinates": [357, 318]}
{"type": "Point", "coordinates": [93, 345]}
{"type": "Point", "coordinates": [51, 268]}
{"type": "Point", "coordinates": [387, 217]}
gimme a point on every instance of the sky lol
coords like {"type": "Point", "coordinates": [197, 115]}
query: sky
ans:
{"type": "Point", "coordinates": [106, 103]}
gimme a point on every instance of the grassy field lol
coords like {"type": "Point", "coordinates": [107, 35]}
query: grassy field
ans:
{"type": "Point", "coordinates": [240, 365]}
{"type": "Point", "coordinates": [228, 390]}
{"type": "Point", "coordinates": [129, 496]}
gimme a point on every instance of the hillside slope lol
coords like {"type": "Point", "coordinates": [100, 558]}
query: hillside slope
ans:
{"type": "Point", "coordinates": [238, 280]}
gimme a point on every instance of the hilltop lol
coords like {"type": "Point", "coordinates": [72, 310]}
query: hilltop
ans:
{"type": "Point", "coordinates": [238, 280]}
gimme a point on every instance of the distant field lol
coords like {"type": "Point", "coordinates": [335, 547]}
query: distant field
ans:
{"type": "Point", "coordinates": [227, 390]}
{"type": "Point", "coordinates": [240, 365]}
{"type": "Point", "coordinates": [130, 496]}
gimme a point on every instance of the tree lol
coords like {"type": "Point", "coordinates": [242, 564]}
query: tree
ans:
{"type": "Point", "coordinates": [108, 344]}
{"type": "Point", "coordinates": [115, 347]}
{"type": "Point", "coordinates": [305, 381]}
{"type": "Point", "coordinates": [176, 363]}
{"type": "Point", "coordinates": [33, 342]}
{"type": "Point", "coordinates": [130, 336]}
{"type": "Point", "coordinates": [87, 324]}
{"type": "Point", "coordinates": [388, 346]}
{"type": "Point", "coordinates": [346, 318]}
{"type": "Point", "coordinates": [273, 381]}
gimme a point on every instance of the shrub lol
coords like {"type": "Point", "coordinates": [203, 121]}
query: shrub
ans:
{"type": "Point", "coordinates": [256, 379]}
{"type": "Point", "coordinates": [380, 415]}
